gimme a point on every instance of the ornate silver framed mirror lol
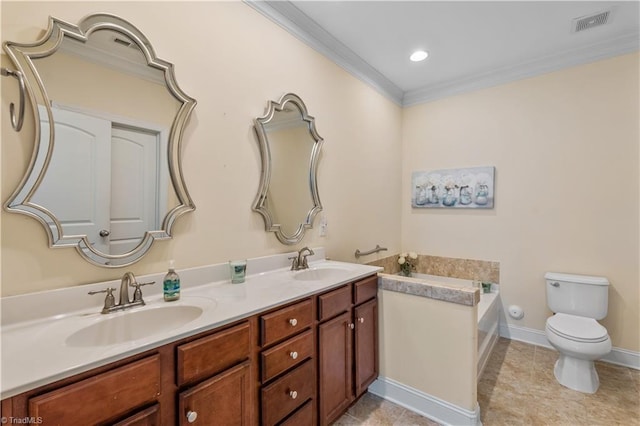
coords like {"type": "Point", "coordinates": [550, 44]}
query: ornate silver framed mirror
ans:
{"type": "Point", "coordinates": [105, 175]}
{"type": "Point", "coordinates": [288, 197]}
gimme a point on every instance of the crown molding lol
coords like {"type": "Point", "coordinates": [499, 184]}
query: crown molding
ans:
{"type": "Point", "coordinates": [289, 17]}
{"type": "Point", "coordinates": [292, 19]}
{"type": "Point", "coordinates": [557, 61]}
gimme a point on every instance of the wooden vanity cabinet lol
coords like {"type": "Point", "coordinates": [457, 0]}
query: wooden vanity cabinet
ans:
{"type": "Point", "coordinates": [287, 365]}
{"type": "Point", "coordinates": [208, 374]}
{"type": "Point", "coordinates": [347, 346]}
{"type": "Point", "coordinates": [300, 364]}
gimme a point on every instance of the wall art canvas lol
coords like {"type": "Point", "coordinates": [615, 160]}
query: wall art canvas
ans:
{"type": "Point", "coordinates": [470, 188]}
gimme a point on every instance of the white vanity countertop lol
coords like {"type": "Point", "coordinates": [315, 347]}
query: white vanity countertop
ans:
{"type": "Point", "coordinates": [36, 326]}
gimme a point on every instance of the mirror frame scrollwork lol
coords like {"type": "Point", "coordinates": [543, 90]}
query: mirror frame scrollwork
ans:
{"type": "Point", "coordinates": [22, 56]}
{"type": "Point", "coordinates": [265, 178]}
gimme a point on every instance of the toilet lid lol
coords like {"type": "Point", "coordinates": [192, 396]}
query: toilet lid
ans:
{"type": "Point", "coordinates": [579, 329]}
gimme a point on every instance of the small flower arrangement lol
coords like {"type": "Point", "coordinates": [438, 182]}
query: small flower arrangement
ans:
{"type": "Point", "coordinates": [407, 263]}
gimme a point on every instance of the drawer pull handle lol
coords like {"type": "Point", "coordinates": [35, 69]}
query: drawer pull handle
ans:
{"type": "Point", "coordinates": [191, 416]}
{"type": "Point", "coordinates": [352, 326]}
{"type": "Point", "coordinates": [293, 355]}
{"type": "Point", "coordinates": [293, 394]}
{"type": "Point", "coordinates": [361, 320]}
{"type": "Point", "coordinates": [293, 322]}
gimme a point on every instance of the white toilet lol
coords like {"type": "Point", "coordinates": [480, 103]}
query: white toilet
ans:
{"type": "Point", "coordinates": [577, 301]}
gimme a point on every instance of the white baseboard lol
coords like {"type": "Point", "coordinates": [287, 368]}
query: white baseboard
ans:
{"type": "Point", "coordinates": [532, 336]}
{"type": "Point", "coordinates": [424, 404]}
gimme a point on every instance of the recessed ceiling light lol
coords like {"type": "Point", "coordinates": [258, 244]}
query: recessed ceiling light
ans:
{"type": "Point", "coordinates": [418, 55]}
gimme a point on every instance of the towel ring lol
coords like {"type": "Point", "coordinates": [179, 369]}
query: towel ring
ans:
{"type": "Point", "coordinates": [16, 121]}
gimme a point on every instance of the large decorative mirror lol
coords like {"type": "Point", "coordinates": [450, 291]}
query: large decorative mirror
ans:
{"type": "Point", "coordinates": [288, 198]}
{"type": "Point", "coordinates": [105, 174]}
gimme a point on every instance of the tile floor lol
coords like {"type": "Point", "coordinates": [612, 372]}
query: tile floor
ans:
{"type": "Point", "coordinates": [372, 410]}
{"type": "Point", "coordinates": [518, 388]}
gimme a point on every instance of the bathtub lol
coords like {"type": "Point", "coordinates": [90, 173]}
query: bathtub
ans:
{"type": "Point", "coordinates": [488, 314]}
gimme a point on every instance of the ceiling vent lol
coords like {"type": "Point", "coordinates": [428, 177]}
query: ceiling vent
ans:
{"type": "Point", "coordinates": [587, 22]}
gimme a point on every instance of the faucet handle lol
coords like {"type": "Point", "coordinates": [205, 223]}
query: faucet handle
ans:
{"type": "Point", "coordinates": [108, 290]}
{"type": "Point", "coordinates": [109, 300]}
{"type": "Point", "coordinates": [294, 262]}
{"type": "Point", "coordinates": [137, 294]}
{"type": "Point", "coordinates": [138, 285]}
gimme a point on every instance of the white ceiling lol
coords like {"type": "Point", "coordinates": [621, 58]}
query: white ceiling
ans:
{"type": "Point", "coordinates": [472, 44]}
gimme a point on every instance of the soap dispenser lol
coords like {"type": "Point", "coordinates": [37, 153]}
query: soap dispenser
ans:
{"type": "Point", "coordinates": [171, 284]}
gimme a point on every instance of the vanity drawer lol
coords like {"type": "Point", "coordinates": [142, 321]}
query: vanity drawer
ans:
{"type": "Point", "coordinates": [287, 393]}
{"type": "Point", "coordinates": [365, 289]}
{"type": "Point", "coordinates": [102, 397]}
{"type": "Point", "coordinates": [286, 355]}
{"type": "Point", "coordinates": [212, 354]}
{"type": "Point", "coordinates": [333, 303]}
{"type": "Point", "coordinates": [303, 417]}
{"type": "Point", "coordinates": [285, 322]}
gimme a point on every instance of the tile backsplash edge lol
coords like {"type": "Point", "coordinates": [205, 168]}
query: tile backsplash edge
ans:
{"type": "Point", "coordinates": [471, 269]}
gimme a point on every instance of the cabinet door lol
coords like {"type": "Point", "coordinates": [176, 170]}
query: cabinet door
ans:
{"type": "Point", "coordinates": [335, 367]}
{"type": "Point", "coordinates": [366, 345]}
{"type": "Point", "coordinates": [222, 400]}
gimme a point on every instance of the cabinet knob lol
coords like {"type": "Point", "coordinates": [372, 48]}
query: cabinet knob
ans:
{"type": "Point", "coordinates": [293, 394]}
{"type": "Point", "coordinates": [293, 322]}
{"type": "Point", "coordinates": [352, 326]}
{"type": "Point", "coordinates": [191, 416]}
{"type": "Point", "coordinates": [104, 233]}
{"type": "Point", "coordinates": [360, 320]}
{"type": "Point", "coordinates": [293, 355]}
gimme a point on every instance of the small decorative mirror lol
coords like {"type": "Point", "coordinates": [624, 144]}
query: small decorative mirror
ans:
{"type": "Point", "coordinates": [288, 198]}
{"type": "Point", "coordinates": [105, 174]}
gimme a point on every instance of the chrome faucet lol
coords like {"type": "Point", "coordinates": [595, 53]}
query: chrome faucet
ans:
{"type": "Point", "coordinates": [300, 261]}
{"type": "Point", "coordinates": [128, 280]}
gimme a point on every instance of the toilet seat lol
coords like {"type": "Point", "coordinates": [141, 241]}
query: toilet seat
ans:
{"type": "Point", "coordinates": [577, 329]}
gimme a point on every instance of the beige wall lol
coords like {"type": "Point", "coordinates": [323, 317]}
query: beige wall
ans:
{"type": "Point", "coordinates": [429, 345]}
{"type": "Point", "coordinates": [232, 60]}
{"type": "Point", "coordinates": [565, 148]}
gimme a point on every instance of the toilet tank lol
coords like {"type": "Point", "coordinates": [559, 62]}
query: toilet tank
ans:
{"type": "Point", "coordinates": [582, 295]}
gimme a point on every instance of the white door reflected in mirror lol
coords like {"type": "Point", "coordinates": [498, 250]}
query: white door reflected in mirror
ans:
{"type": "Point", "coordinates": [104, 180]}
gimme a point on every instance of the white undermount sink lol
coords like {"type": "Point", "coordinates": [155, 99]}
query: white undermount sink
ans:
{"type": "Point", "coordinates": [321, 273]}
{"type": "Point", "coordinates": [140, 323]}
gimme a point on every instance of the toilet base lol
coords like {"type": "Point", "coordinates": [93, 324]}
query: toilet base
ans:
{"type": "Point", "coordinates": [577, 374]}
